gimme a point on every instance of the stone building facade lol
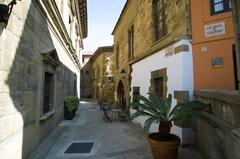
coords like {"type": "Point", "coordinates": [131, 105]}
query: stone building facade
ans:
{"type": "Point", "coordinates": [152, 41]}
{"type": "Point", "coordinates": [103, 66]}
{"type": "Point", "coordinates": [40, 47]}
{"type": "Point", "coordinates": [86, 76]}
{"type": "Point", "coordinates": [219, 138]}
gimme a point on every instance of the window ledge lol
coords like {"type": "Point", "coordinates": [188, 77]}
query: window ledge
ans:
{"type": "Point", "coordinates": [131, 59]}
{"type": "Point", "coordinates": [160, 39]}
{"type": "Point", "coordinates": [46, 116]}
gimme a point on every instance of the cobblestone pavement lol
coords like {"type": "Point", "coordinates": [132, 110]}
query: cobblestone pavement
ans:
{"type": "Point", "coordinates": [116, 140]}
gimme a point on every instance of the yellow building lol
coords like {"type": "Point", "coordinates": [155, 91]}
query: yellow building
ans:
{"type": "Point", "coordinates": [86, 76]}
{"type": "Point", "coordinates": [153, 49]}
{"type": "Point", "coordinates": [102, 68]}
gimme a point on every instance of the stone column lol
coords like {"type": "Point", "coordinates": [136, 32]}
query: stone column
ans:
{"type": "Point", "coordinates": [236, 21]}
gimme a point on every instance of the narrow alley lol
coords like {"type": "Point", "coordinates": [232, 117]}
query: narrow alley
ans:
{"type": "Point", "coordinates": [115, 140]}
{"type": "Point", "coordinates": [111, 140]}
{"type": "Point", "coordinates": [119, 79]}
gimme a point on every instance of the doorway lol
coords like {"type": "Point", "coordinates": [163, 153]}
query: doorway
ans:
{"type": "Point", "coordinates": [121, 97]}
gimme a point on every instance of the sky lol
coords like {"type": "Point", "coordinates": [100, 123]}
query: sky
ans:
{"type": "Point", "coordinates": [102, 17]}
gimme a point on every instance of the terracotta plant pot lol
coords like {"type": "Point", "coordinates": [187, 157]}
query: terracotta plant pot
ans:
{"type": "Point", "coordinates": [163, 148]}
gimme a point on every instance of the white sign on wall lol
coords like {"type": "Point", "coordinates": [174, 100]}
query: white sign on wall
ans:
{"type": "Point", "coordinates": [215, 29]}
{"type": "Point", "coordinates": [169, 51]}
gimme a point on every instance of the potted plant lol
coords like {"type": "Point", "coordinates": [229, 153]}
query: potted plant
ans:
{"type": "Point", "coordinates": [70, 107]}
{"type": "Point", "coordinates": [157, 110]}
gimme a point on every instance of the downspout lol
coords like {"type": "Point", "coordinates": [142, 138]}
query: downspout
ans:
{"type": "Point", "coordinates": [236, 22]}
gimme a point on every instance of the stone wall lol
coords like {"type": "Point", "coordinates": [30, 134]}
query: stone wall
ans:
{"type": "Point", "coordinates": [22, 68]}
{"type": "Point", "coordinates": [140, 15]}
{"type": "Point", "coordinates": [220, 137]}
{"type": "Point", "coordinates": [86, 81]}
{"type": "Point", "coordinates": [103, 66]}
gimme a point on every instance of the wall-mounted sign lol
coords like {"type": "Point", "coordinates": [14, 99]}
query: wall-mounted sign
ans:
{"type": "Point", "coordinates": [217, 62]}
{"type": "Point", "coordinates": [215, 29]}
{"type": "Point", "coordinates": [169, 52]}
{"type": "Point", "coordinates": [204, 49]}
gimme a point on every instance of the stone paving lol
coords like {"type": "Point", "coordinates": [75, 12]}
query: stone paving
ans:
{"type": "Point", "coordinates": [116, 140]}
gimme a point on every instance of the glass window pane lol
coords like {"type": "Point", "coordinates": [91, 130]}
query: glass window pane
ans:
{"type": "Point", "coordinates": [217, 1]}
{"type": "Point", "coordinates": [230, 3]}
{"type": "Point", "coordinates": [218, 7]}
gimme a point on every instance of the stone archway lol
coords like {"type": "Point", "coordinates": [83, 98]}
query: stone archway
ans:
{"type": "Point", "coordinates": [121, 101]}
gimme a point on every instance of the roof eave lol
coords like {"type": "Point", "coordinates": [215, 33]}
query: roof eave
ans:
{"type": "Point", "coordinates": [120, 17]}
{"type": "Point", "coordinates": [83, 17]}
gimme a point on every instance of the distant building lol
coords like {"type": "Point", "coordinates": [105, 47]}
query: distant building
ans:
{"type": "Point", "coordinates": [86, 56]}
{"type": "Point", "coordinates": [103, 66]}
{"type": "Point", "coordinates": [214, 54]}
{"type": "Point", "coordinates": [152, 40]}
{"type": "Point", "coordinates": [86, 76]}
{"type": "Point", "coordinates": [40, 46]}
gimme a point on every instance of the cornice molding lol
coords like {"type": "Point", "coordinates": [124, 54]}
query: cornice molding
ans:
{"type": "Point", "coordinates": [52, 15]}
{"type": "Point", "coordinates": [101, 50]}
{"type": "Point", "coordinates": [82, 8]}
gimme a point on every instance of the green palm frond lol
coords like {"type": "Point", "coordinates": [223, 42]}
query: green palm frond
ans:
{"type": "Point", "coordinates": [140, 113]}
{"type": "Point", "coordinates": [152, 105]}
{"type": "Point", "coordinates": [149, 122]}
{"type": "Point", "coordinates": [157, 109]}
{"type": "Point", "coordinates": [146, 101]}
{"type": "Point", "coordinates": [169, 103]}
{"type": "Point", "coordinates": [152, 110]}
{"type": "Point", "coordinates": [187, 111]}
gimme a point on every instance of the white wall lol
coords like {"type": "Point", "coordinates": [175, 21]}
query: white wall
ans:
{"type": "Point", "coordinates": [179, 73]}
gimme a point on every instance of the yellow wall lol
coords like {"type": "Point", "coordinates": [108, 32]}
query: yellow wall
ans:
{"type": "Point", "coordinates": [139, 13]}
{"type": "Point", "coordinates": [102, 86]}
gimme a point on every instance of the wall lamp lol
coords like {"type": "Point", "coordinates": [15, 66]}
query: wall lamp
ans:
{"type": "Point", "coordinates": [5, 11]}
{"type": "Point", "coordinates": [123, 73]}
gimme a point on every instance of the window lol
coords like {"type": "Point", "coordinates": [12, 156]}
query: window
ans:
{"type": "Point", "coordinates": [136, 94]}
{"type": "Point", "coordinates": [131, 42]}
{"type": "Point", "coordinates": [158, 82]}
{"type": "Point", "coordinates": [87, 72]}
{"type": "Point", "coordinates": [159, 18]}
{"type": "Point", "coordinates": [75, 87]}
{"type": "Point", "coordinates": [98, 73]}
{"type": "Point", "coordinates": [117, 57]}
{"type": "Point", "coordinates": [220, 6]}
{"type": "Point", "coordinates": [48, 93]}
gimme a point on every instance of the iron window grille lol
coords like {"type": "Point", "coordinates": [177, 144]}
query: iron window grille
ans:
{"type": "Point", "coordinates": [48, 92]}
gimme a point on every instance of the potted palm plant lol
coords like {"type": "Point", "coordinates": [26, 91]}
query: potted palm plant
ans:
{"type": "Point", "coordinates": [70, 107]}
{"type": "Point", "coordinates": [157, 110]}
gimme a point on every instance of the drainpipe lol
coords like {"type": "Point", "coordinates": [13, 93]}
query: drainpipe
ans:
{"type": "Point", "coordinates": [236, 22]}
